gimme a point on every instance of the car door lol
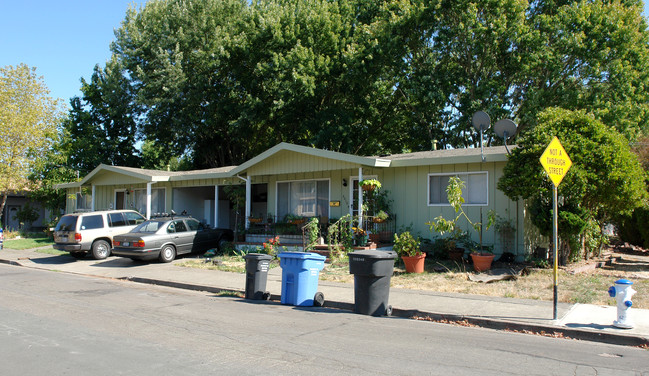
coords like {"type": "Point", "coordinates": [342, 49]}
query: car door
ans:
{"type": "Point", "coordinates": [201, 237]}
{"type": "Point", "coordinates": [182, 237]}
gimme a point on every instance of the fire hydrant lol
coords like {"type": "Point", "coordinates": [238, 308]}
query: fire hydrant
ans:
{"type": "Point", "coordinates": [622, 292]}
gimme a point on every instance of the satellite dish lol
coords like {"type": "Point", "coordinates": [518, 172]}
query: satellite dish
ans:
{"type": "Point", "coordinates": [481, 121]}
{"type": "Point", "coordinates": [505, 128]}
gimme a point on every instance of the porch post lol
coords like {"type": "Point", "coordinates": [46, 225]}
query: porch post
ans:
{"type": "Point", "coordinates": [148, 200]}
{"type": "Point", "coordinates": [216, 206]}
{"type": "Point", "coordinates": [248, 200]}
{"type": "Point", "coordinates": [92, 202]}
{"type": "Point", "coordinates": [360, 198]}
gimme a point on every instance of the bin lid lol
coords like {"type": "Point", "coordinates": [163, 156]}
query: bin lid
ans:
{"type": "Point", "coordinates": [258, 256]}
{"type": "Point", "coordinates": [302, 256]}
{"type": "Point", "coordinates": [374, 254]}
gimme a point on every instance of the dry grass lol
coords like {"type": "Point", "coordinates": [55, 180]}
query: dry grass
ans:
{"type": "Point", "coordinates": [587, 287]}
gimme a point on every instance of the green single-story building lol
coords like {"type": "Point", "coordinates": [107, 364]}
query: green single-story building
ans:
{"type": "Point", "coordinates": [292, 180]}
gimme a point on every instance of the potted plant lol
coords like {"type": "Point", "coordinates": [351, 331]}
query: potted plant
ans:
{"type": "Point", "coordinates": [255, 219]}
{"type": "Point", "coordinates": [294, 219]}
{"type": "Point", "coordinates": [380, 217]}
{"type": "Point", "coordinates": [369, 184]}
{"type": "Point", "coordinates": [452, 250]}
{"type": "Point", "coordinates": [407, 247]}
{"type": "Point", "coordinates": [482, 258]}
{"type": "Point", "coordinates": [360, 237]}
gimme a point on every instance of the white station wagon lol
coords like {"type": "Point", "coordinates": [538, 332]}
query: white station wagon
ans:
{"type": "Point", "coordinates": [93, 232]}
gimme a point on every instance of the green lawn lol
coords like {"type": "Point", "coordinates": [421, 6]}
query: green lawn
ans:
{"type": "Point", "coordinates": [28, 243]}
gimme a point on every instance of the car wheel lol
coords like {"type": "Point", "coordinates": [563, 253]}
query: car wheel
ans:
{"type": "Point", "coordinates": [100, 249]}
{"type": "Point", "coordinates": [167, 253]}
{"type": "Point", "coordinates": [78, 255]}
{"type": "Point", "coordinates": [222, 244]}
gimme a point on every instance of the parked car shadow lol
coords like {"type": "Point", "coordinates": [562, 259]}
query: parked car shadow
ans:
{"type": "Point", "coordinates": [53, 260]}
{"type": "Point", "coordinates": [118, 262]}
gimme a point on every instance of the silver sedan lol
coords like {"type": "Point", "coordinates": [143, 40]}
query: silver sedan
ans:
{"type": "Point", "coordinates": [167, 237]}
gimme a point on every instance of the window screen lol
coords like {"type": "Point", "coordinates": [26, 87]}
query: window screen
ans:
{"type": "Point", "coordinates": [475, 190]}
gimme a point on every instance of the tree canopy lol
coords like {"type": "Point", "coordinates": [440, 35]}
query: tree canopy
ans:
{"type": "Point", "coordinates": [606, 178]}
{"type": "Point", "coordinates": [28, 126]}
{"type": "Point", "coordinates": [216, 82]}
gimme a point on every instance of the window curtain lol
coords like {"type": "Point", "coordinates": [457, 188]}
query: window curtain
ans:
{"type": "Point", "coordinates": [157, 200]}
{"type": "Point", "coordinates": [307, 198]}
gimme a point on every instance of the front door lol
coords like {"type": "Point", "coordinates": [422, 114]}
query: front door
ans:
{"type": "Point", "coordinates": [353, 193]}
{"type": "Point", "coordinates": [12, 222]}
{"type": "Point", "coordinates": [120, 200]}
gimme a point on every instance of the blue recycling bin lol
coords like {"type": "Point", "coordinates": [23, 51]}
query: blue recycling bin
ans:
{"type": "Point", "coordinates": [300, 272]}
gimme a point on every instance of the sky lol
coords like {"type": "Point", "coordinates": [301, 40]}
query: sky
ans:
{"type": "Point", "coordinates": [62, 39]}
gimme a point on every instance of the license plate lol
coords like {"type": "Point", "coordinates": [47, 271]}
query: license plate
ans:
{"type": "Point", "coordinates": [64, 239]}
{"type": "Point", "coordinates": [126, 244]}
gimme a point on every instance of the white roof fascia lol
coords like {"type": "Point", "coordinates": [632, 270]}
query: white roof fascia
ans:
{"type": "Point", "coordinates": [364, 161]}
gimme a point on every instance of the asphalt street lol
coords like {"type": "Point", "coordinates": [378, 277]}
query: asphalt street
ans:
{"type": "Point", "coordinates": [60, 323]}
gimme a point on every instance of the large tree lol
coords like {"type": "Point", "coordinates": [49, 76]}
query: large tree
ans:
{"type": "Point", "coordinates": [28, 121]}
{"type": "Point", "coordinates": [606, 178]}
{"type": "Point", "coordinates": [102, 125]}
{"type": "Point", "coordinates": [218, 81]}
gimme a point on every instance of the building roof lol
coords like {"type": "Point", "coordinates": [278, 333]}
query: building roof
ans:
{"type": "Point", "coordinates": [437, 157]}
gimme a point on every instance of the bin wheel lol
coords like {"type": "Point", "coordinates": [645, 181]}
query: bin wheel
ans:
{"type": "Point", "coordinates": [388, 311]}
{"type": "Point", "coordinates": [266, 296]}
{"type": "Point", "coordinates": [318, 299]}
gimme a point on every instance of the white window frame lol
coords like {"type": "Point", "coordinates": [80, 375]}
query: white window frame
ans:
{"type": "Point", "coordinates": [277, 183]}
{"type": "Point", "coordinates": [449, 174]}
{"type": "Point", "coordinates": [87, 202]}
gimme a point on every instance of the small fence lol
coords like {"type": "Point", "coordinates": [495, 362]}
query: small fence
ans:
{"type": "Point", "coordinates": [294, 231]}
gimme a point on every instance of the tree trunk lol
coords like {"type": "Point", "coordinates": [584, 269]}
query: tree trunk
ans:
{"type": "Point", "coordinates": [2, 209]}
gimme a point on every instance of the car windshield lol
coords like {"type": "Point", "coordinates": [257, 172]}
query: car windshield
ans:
{"type": "Point", "coordinates": [149, 226]}
{"type": "Point", "coordinates": [67, 223]}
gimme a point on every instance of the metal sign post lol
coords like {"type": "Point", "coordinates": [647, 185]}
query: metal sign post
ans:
{"type": "Point", "coordinates": [556, 163]}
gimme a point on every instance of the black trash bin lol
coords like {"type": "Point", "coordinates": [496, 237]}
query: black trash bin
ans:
{"type": "Point", "coordinates": [372, 271]}
{"type": "Point", "coordinates": [257, 265]}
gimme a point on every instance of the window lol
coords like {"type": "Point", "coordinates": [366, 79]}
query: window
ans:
{"type": "Point", "coordinates": [133, 218]}
{"type": "Point", "coordinates": [116, 220]}
{"type": "Point", "coordinates": [91, 222]}
{"type": "Point", "coordinates": [157, 200]}
{"type": "Point", "coordinates": [192, 224]}
{"type": "Point", "coordinates": [176, 226]}
{"type": "Point", "coordinates": [84, 201]}
{"type": "Point", "coordinates": [475, 190]}
{"type": "Point", "coordinates": [307, 198]}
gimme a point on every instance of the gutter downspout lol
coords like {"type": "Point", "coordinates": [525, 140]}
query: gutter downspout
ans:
{"type": "Point", "coordinates": [248, 199]}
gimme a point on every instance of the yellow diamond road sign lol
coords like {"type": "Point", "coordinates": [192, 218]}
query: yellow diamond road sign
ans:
{"type": "Point", "coordinates": [555, 161]}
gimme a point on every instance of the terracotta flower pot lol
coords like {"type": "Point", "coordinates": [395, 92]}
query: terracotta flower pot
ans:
{"type": "Point", "coordinates": [482, 261]}
{"type": "Point", "coordinates": [456, 255]}
{"type": "Point", "coordinates": [414, 264]}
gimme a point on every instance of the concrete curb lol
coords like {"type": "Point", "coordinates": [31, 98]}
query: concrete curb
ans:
{"type": "Point", "coordinates": [519, 327]}
{"type": "Point", "coordinates": [538, 329]}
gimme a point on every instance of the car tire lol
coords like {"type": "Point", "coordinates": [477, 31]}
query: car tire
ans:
{"type": "Point", "coordinates": [167, 253]}
{"type": "Point", "coordinates": [100, 249]}
{"type": "Point", "coordinates": [221, 245]}
{"type": "Point", "coordinates": [78, 255]}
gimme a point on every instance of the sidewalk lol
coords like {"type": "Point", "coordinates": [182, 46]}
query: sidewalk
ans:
{"type": "Point", "coordinates": [578, 321]}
